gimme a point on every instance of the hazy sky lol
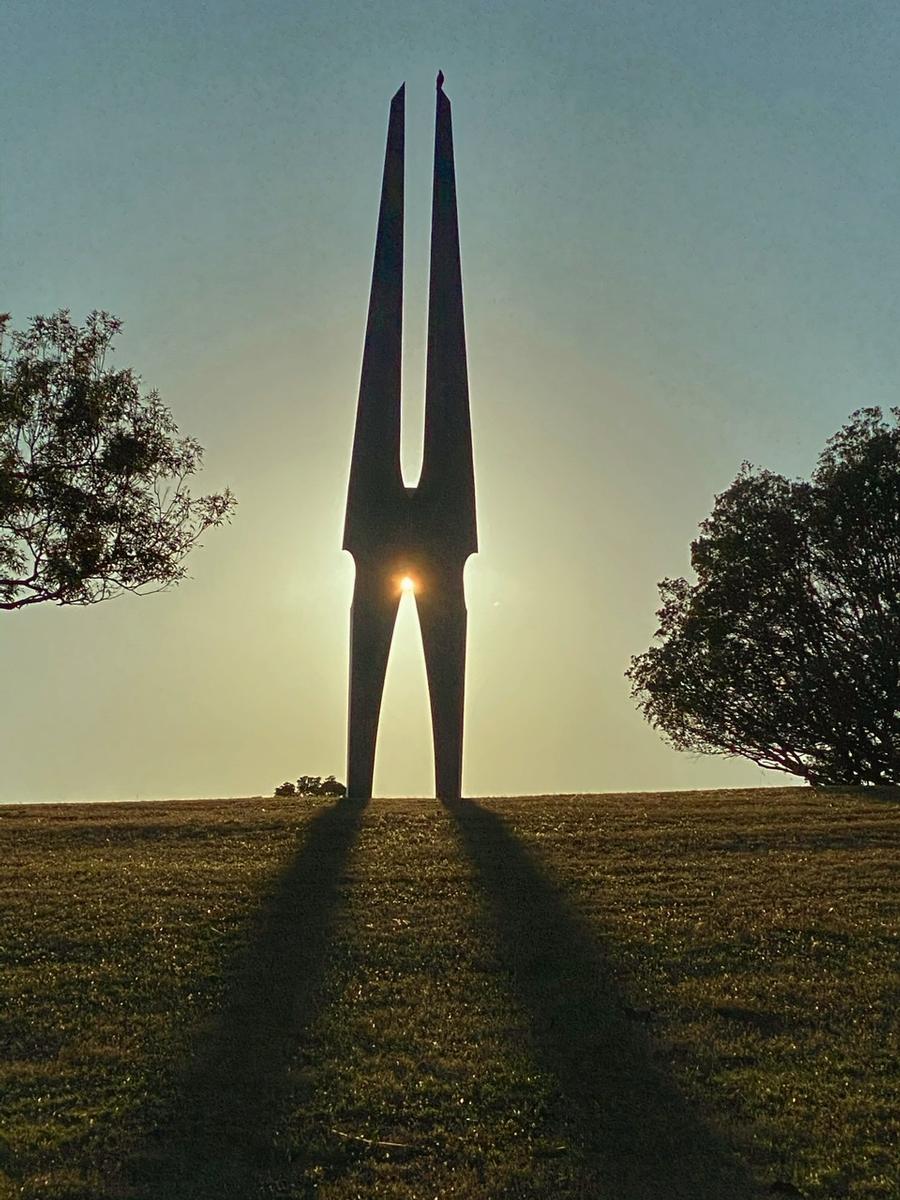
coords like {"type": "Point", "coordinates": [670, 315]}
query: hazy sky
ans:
{"type": "Point", "coordinates": [680, 241]}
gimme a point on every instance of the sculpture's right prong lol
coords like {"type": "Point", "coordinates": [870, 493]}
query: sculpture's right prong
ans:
{"type": "Point", "coordinates": [442, 619]}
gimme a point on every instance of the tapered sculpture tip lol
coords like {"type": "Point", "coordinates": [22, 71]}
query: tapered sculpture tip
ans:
{"type": "Point", "coordinates": [398, 95]}
{"type": "Point", "coordinates": [440, 80]}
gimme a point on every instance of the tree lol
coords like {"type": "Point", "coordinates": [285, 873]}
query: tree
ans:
{"type": "Point", "coordinates": [312, 785]}
{"type": "Point", "coordinates": [315, 785]}
{"type": "Point", "coordinates": [93, 496]}
{"type": "Point", "coordinates": [329, 786]}
{"type": "Point", "coordinates": [786, 650]}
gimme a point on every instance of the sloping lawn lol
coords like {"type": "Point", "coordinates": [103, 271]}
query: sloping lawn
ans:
{"type": "Point", "coordinates": [639, 997]}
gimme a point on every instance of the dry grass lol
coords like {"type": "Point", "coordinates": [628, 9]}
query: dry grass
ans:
{"type": "Point", "coordinates": [636, 997]}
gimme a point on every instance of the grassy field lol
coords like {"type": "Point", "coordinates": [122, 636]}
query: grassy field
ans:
{"type": "Point", "coordinates": [632, 997]}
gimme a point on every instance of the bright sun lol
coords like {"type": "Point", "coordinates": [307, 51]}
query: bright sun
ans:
{"type": "Point", "coordinates": [407, 584]}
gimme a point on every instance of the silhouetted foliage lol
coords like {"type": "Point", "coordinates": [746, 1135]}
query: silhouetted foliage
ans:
{"type": "Point", "coordinates": [786, 650]}
{"type": "Point", "coordinates": [93, 499]}
{"type": "Point", "coordinates": [333, 787]}
{"type": "Point", "coordinates": [312, 785]}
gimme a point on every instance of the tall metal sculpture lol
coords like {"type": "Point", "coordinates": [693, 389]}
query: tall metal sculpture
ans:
{"type": "Point", "coordinates": [417, 537]}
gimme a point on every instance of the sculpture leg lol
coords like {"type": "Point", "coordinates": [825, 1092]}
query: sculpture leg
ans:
{"type": "Point", "coordinates": [442, 618]}
{"type": "Point", "coordinates": [372, 619]}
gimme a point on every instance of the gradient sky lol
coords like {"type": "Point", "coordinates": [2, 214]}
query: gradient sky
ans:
{"type": "Point", "coordinates": [680, 240]}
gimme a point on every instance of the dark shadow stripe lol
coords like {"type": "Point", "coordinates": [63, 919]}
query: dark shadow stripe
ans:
{"type": "Point", "coordinates": [642, 1138]}
{"type": "Point", "coordinates": [217, 1138]}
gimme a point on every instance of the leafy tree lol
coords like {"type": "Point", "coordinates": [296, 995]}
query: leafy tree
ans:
{"type": "Point", "coordinates": [315, 785]}
{"type": "Point", "coordinates": [93, 500]}
{"type": "Point", "coordinates": [786, 650]}
{"type": "Point", "coordinates": [329, 786]}
{"type": "Point", "coordinates": [312, 785]}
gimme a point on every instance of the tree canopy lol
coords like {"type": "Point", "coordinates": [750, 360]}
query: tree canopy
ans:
{"type": "Point", "coordinates": [93, 495]}
{"type": "Point", "coordinates": [786, 650]}
{"type": "Point", "coordinates": [312, 785]}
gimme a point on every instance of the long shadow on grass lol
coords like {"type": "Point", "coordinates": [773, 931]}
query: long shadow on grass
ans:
{"type": "Point", "coordinates": [642, 1138]}
{"type": "Point", "coordinates": [217, 1138]}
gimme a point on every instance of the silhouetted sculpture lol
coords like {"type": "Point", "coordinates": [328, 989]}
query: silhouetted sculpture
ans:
{"type": "Point", "coordinates": [422, 534]}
